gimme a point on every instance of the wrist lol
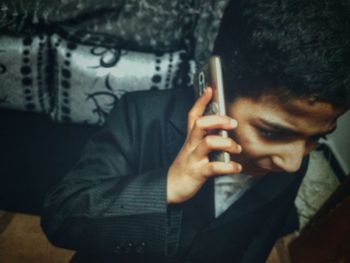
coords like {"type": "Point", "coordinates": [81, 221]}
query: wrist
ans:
{"type": "Point", "coordinates": [180, 188]}
{"type": "Point", "coordinates": [171, 189]}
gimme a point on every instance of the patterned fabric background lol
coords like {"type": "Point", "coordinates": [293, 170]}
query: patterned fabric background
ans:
{"type": "Point", "coordinates": [206, 29]}
{"type": "Point", "coordinates": [143, 25]}
{"type": "Point", "coordinates": [26, 15]}
{"type": "Point", "coordinates": [23, 78]}
{"type": "Point", "coordinates": [146, 24]}
{"type": "Point", "coordinates": [90, 79]}
{"type": "Point", "coordinates": [98, 45]}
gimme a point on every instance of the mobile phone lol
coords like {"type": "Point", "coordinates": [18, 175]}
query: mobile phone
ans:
{"type": "Point", "coordinates": [210, 75]}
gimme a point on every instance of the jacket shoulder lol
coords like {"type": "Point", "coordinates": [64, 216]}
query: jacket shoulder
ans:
{"type": "Point", "coordinates": [159, 103]}
{"type": "Point", "coordinates": [158, 98]}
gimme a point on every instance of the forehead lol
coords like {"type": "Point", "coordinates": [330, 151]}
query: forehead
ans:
{"type": "Point", "coordinates": [301, 114]}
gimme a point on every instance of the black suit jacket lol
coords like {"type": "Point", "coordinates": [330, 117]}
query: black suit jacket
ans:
{"type": "Point", "coordinates": [112, 206]}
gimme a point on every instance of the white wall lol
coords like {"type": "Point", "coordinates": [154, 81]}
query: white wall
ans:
{"type": "Point", "coordinates": [339, 142]}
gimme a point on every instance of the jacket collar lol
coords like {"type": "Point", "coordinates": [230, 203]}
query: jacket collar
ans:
{"type": "Point", "coordinates": [262, 192]}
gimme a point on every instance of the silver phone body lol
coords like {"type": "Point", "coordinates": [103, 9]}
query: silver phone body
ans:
{"type": "Point", "coordinates": [210, 75]}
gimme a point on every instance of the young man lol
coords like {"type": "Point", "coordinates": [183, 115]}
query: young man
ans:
{"type": "Point", "coordinates": [145, 190]}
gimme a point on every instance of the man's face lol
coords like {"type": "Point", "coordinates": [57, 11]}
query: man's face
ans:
{"type": "Point", "coordinates": [276, 135]}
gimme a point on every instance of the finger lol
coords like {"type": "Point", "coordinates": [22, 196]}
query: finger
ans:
{"type": "Point", "coordinates": [199, 107]}
{"type": "Point", "coordinates": [208, 123]}
{"type": "Point", "coordinates": [220, 168]}
{"type": "Point", "coordinates": [216, 143]}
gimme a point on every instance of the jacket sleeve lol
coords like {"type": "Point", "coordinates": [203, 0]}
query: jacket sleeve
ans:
{"type": "Point", "coordinates": [106, 203]}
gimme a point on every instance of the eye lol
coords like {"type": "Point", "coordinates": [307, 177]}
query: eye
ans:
{"type": "Point", "coordinates": [271, 135]}
{"type": "Point", "coordinates": [267, 134]}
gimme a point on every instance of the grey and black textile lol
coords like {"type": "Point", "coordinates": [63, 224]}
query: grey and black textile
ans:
{"type": "Point", "coordinates": [147, 25]}
{"type": "Point", "coordinates": [90, 79]}
{"type": "Point", "coordinates": [23, 73]}
{"type": "Point", "coordinates": [74, 58]}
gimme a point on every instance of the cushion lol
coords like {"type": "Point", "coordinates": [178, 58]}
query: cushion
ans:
{"type": "Point", "coordinates": [90, 79]}
{"type": "Point", "coordinates": [147, 24]}
{"type": "Point", "coordinates": [139, 25]}
{"type": "Point", "coordinates": [23, 73]}
{"type": "Point", "coordinates": [206, 28]}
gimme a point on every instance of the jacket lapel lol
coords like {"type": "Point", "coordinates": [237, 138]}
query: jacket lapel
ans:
{"type": "Point", "coordinates": [180, 106]}
{"type": "Point", "coordinates": [261, 193]}
{"type": "Point", "coordinates": [177, 124]}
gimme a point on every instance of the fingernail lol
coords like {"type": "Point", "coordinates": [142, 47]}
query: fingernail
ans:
{"type": "Point", "coordinates": [239, 148]}
{"type": "Point", "coordinates": [239, 167]}
{"type": "Point", "coordinates": [233, 123]}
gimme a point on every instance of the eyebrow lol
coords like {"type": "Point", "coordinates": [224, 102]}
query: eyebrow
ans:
{"type": "Point", "coordinates": [277, 127]}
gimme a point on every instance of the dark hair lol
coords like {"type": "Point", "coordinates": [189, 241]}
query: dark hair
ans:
{"type": "Point", "coordinates": [291, 48]}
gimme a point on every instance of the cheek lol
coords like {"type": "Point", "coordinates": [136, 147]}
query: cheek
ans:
{"type": "Point", "coordinates": [253, 147]}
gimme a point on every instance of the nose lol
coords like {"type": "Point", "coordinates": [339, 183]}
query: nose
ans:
{"type": "Point", "coordinates": [289, 158]}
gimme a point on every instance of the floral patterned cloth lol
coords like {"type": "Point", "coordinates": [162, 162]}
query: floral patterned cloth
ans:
{"type": "Point", "coordinates": [23, 73]}
{"type": "Point", "coordinates": [146, 25]}
{"type": "Point", "coordinates": [115, 35]}
{"type": "Point", "coordinates": [90, 79]}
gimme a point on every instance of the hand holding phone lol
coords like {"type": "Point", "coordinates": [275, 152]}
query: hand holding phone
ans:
{"type": "Point", "coordinates": [207, 136]}
{"type": "Point", "coordinates": [211, 76]}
